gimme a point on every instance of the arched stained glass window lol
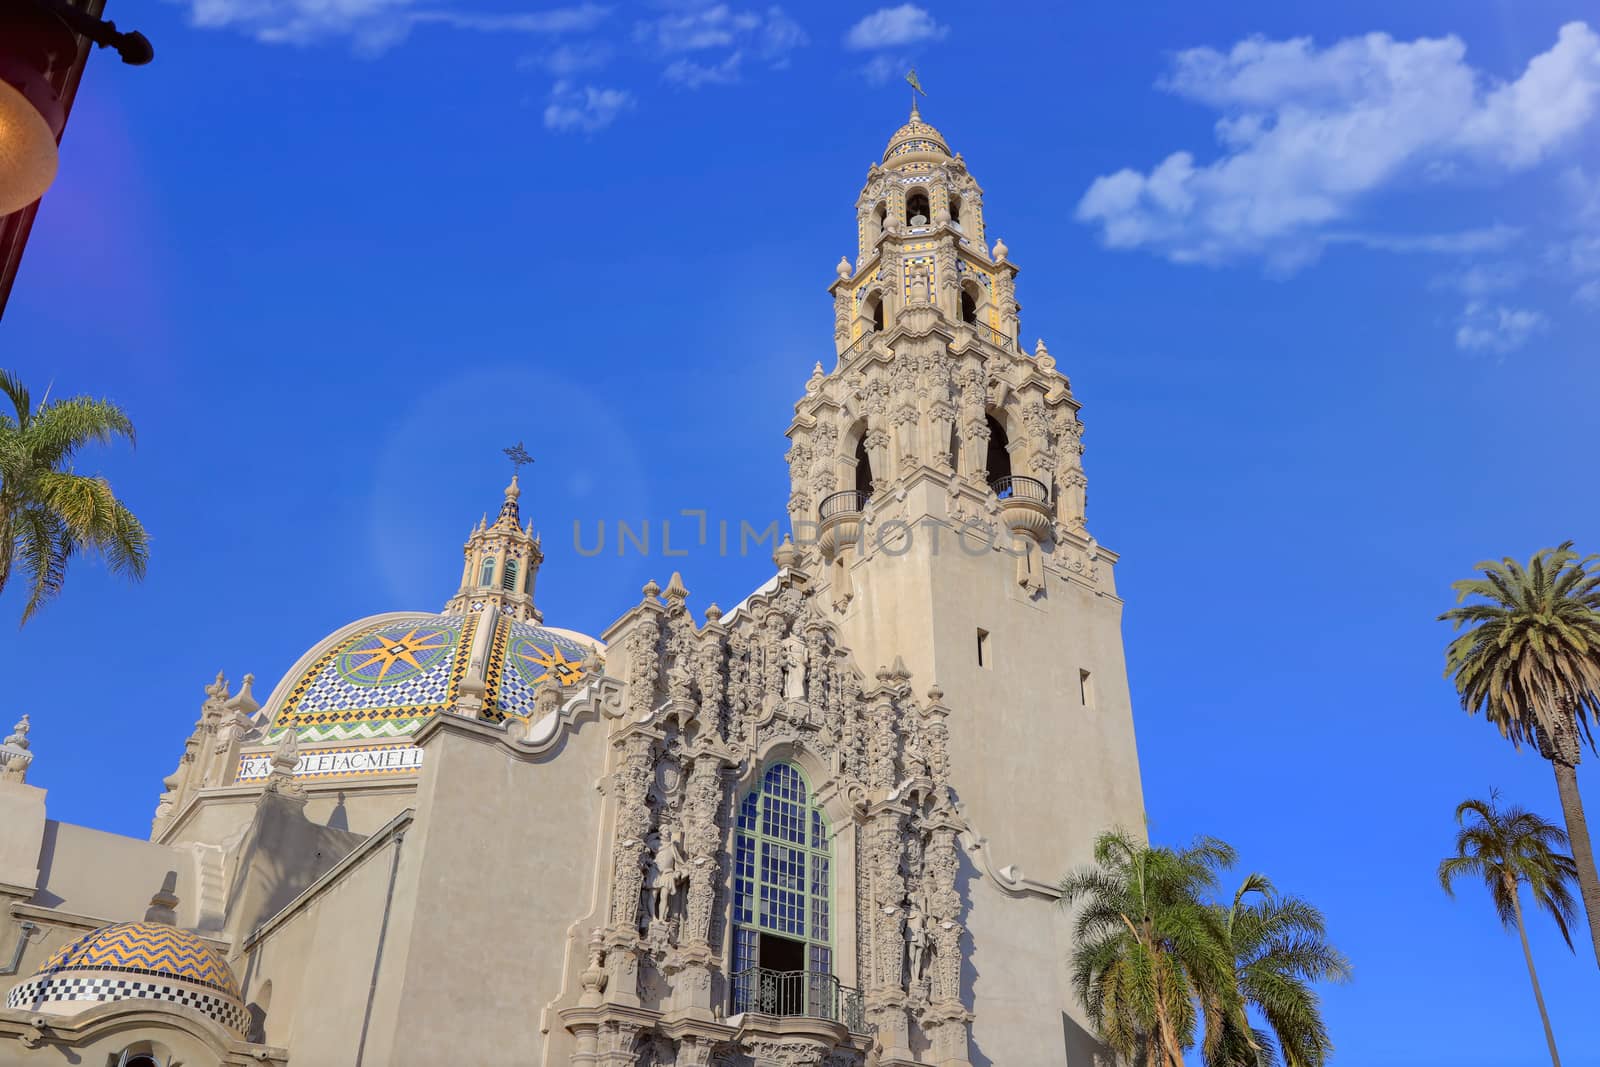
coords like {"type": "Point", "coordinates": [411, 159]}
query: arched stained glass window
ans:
{"type": "Point", "coordinates": [486, 576]}
{"type": "Point", "coordinates": [782, 879]}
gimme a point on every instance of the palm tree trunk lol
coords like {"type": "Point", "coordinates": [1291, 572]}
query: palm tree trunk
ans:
{"type": "Point", "coordinates": [1533, 976]}
{"type": "Point", "coordinates": [1582, 850]}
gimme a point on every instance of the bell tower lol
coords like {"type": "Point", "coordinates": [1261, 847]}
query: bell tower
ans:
{"type": "Point", "coordinates": [502, 563]}
{"type": "Point", "coordinates": [937, 495]}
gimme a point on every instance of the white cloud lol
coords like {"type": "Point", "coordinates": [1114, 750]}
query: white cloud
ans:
{"type": "Point", "coordinates": [585, 109]}
{"type": "Point", "coordinates": [1461, 242]}
{"type": "Point", "coordinates": [1481, 279]}
{"type": "Point", "coordinates": [892, 27]}
{"type": "Point", "coordinates": [881, 68]}
{"type": "Point", "coordinates": [374, 24]}
{"type": "Point", "coordinates": [692, 75]}
{"type": "Point", "coordinates": [1497, 328]}
{"type": "Point", "coordinates": [1308, 133]}
{"type": "Point", "coordinates": [568, 59]}
{"type": "Point", "coordinates": [1577, 258]}
{"type": "Point", "coordinates": [770, 33]}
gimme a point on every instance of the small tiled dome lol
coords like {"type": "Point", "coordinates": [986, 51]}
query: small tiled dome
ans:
{"type": "Point", "coordinates": [384, 676]}
{"type": "Point", "coordinates": [916, 137]}
{"type": "Point", "coordinates": [135, 961]}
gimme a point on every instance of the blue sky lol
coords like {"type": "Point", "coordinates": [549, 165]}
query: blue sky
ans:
{"type": "Point", "coordinates": [1326, 279]}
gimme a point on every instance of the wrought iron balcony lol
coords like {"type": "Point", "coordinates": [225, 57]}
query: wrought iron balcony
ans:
{"type": "Point", "coordinates": [1020, 487]}
{"type": "Point", "coordinates": [806, 994]}
{"type": "Point", "coordinates": [849, 502]}
{"type": "Point", "coordinates": [991, 335]}
{"type": "Point", "coordinates": [859, 345]}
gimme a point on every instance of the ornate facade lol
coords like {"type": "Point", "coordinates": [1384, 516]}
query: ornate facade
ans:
{"type": "Point", "coordinates": [790, 833]}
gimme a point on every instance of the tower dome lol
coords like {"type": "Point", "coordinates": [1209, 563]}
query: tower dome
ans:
{"type": "Point", "coordinates": [135, 961]}
{"type": "Point", "coordinates": [916, 140]}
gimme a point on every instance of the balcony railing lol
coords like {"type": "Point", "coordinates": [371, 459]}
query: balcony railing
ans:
{"type": "Point", "coordinates": [1020, 487]}
{"type": "Point", "coordinates": [993, 336]}
{"type": "Point", "coordinates": [808, 994]}
{"type": "Point", "coordinates": [846, 503]}
{"type": "Point", "coordinates": [857, 346]}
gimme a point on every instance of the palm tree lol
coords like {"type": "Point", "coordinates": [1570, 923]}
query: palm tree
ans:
{"type": "Point", "coordinates": [1279, 947]}
{"type": "Point", "coordinates": [48, 513]}
{"type": "Point", "coordinates": [1149, 946]}
{"type": "Point", "coordinates": [1528, 657]}
{"type": "Point", "coordinates": [1508, 849]}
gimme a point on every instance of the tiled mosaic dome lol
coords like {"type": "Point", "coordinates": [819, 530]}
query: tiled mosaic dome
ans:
{"type": "Point", "coordinates": [915, 136]}
{"type": "Point", "coordinates": [384, 676]}
{"type": "Point", "coordinates": [135, 961]}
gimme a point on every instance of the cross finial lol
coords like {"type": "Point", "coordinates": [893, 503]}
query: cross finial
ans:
{"type": "Point", "coordinates": [518, 456]}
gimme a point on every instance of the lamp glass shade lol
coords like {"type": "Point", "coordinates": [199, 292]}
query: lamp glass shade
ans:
{"type": "Point", "coordinates": [28, 154]}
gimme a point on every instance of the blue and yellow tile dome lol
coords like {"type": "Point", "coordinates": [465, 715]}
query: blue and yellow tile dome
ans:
{"type": "Point", "coordinates": [135, 961]}
{"type": "Point", "coordinates": [382, 677]}
{"type": "Point", "coordinates": [915, 138]}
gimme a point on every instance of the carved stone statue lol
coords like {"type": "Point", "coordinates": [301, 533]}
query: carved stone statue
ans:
{"type": "Point", "coordinates": [916, 939]}
{"type": "Point", "coordinates": [794, 668]}
{"type": "Point", "coordinates": [667, 875]}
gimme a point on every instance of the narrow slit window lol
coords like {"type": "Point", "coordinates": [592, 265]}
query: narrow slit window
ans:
{"type": "Point", "coordinates": [1085, 688]}
{"type": "Point", "coordinates": [984, 654]}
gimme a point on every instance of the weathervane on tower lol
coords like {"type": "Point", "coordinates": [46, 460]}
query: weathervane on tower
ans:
{"type": "Point", "coordinates": [518, 456]}
{"type": "Point", "coordinates": [916, 87]}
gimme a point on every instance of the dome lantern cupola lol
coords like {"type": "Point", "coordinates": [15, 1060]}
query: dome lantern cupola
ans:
{"type": "Point", "coordinates": [502, 562]}
{"type": "Point", "coordinates": [915, 142]}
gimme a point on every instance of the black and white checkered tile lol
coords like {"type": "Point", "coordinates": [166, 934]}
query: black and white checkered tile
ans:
{"type": "Point", "coordinates": [225, 1010]}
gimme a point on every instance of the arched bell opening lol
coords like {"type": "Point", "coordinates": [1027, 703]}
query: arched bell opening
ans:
{"type": "Point", "coordinates": [863, 484]}
{"type": "Point", "coordinates": [872, 310]}
{"type": "Point", "coordinates": [998, 460]}
{"type": "Point", "coordinates": [969, 305]}
{"type": "Point", "coordinates": [917, 209]}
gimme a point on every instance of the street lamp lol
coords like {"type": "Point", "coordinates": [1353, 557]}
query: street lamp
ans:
{"type": "Point", "coordinates": [38, 48]}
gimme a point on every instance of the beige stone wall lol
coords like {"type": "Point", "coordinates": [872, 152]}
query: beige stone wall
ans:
{"type": "Point", "coordinates": [312, 972]}
{"type": "Point", "coordinates": [497, 874]}
{"type": "Point", "coordinates": [1037, 773]}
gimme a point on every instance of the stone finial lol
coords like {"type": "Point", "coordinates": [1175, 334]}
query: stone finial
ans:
{"type": "Point", "coordinates": [217, 691]}
{"type": "Point", "coordinates": [18, 737]}
{"type": "Point", "coordinates": [244, 700]}
{"type": "Point", "coordinates": [510, 515]}
{"type": "Point", "coordinates": [814, 383]}
{"type": "Point", "coordinates": [592, 664]}
{"type": "Point", "coordinates": [676, 592]}
{"type": "Point", "coordinates": [935, 693]}
{"type": "Point", "coordinates": [899, 671]}
{"type": "Point", "coordinates": [1000, 250]}
{"type": "Point", "coordinates": [284, 760]}
{"type": "Point", "coordinates": [14, 754]}
{"type": "Point", "coordinates": [785, 555]}
{"type": "Point", "coordinates": [163, 907]}
{"type": "Point", "coordinates": [593, 978]}
{"type": "Point", "coordinates": [844, 267]}
{"type": "Point", "coordinates": [713, 613]}
{"type": "Point", "coordinates": [1042, 354]}
{"type": "Point", "coordinates": [651, 590]}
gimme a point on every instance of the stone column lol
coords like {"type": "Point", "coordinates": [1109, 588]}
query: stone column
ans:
{"type": "Point", "coordinates": [630, 785]}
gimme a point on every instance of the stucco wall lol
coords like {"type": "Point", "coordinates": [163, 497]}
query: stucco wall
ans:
{"type": "Point", "coordinates": [1037, 773]}
{"type": "Point", "coordinates": [498, 866]}
{"type": "Point", "coordinates": [309, 976]}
